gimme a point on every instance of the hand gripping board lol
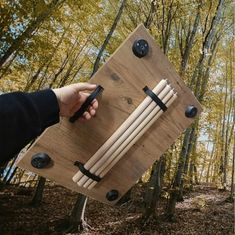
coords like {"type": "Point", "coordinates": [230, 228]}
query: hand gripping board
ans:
{"type": "Point", "coordinates": [123, 78]}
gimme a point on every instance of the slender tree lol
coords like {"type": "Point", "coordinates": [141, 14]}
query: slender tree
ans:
{"type": "Point", "coordinates": [108, 37]}
{"type": "Point", "coordinates": [38, 194]}
{"type": "Point", "coordinates": [153, 192]}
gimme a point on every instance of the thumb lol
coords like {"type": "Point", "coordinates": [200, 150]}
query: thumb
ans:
{"type": "Point", "coordinates": [85, 86]}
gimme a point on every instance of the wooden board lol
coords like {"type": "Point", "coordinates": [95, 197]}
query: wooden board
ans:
{"type": "Point", "coordinates": [123, 76]}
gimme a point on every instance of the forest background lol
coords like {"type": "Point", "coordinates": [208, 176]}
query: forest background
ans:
{"type": "Point", "coordinates": [52, 43]}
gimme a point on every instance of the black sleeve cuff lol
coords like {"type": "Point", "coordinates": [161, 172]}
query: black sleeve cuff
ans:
{"type": "Point", "coordinates": [47, 107]}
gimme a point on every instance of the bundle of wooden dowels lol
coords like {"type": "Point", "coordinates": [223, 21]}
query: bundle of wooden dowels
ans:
{"type": "Point", "coordinates": [126, 135]}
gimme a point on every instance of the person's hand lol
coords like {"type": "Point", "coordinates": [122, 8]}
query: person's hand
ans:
{"type": "Point", "coordinates": [70, 98]}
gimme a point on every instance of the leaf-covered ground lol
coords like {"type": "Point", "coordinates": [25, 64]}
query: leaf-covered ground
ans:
{"type": "Point", "coordinates": [204, 211]}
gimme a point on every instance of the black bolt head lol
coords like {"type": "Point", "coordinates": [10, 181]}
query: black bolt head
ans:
{"type": "Point", "coordinates": [140, 48]}
{"type": "Point", "coordinates": [191, 111]}
{"type": "Point", "coordinates": [112, 195]}
{"type": "Point", "coordinates": [40, 160]}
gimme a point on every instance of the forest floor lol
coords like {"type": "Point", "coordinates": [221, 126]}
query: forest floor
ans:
{"type": "Point", "coordinates": [203, 211]}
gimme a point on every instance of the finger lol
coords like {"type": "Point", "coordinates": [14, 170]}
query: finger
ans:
{"type": "Point", "coordinates": [87, 116]}
{"type": "Point", "coordinates": [92, 112]}
{"type": "Point", "coordinates": [85, 86]}
{"type": "Point", "coordinates": [94, 104]}
{"type": "Point", "coordinates": [77, 106]}
{"type": "Point", "coordinates": [83, 97]}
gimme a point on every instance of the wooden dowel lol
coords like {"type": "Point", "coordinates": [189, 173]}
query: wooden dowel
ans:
{"type": "Point", "coordinates": [120, 130]}
{"type": "Point", "coordinates": [122, 151]}
{"type": "Point", "coordinates": [125, 135]}
{"type": "Point", "coordinates": [139, 131]}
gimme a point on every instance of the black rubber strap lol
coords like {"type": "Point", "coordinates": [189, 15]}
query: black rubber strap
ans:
{"type": "Point", "coordinates": [87, 103]}
{"type": "Point", "coordinates": [86, 172]}
{"type": "Point", "coordinates": [155, 98]}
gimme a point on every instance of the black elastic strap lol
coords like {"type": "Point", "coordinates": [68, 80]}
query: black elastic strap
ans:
{"type": "Point", "coordinates": [87, 103]}
{"type": "Point", "coordinates": [86, 172]}
{"type": "Point", "coordinates": [155, 98]}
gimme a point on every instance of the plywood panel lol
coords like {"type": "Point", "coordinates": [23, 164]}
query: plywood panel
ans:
{"type": "Point", "coordinates": [123, 76]}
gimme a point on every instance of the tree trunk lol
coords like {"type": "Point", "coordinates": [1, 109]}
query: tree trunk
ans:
{"type": "Point", "coordinates": [177, 181]}
{"type": "Point", "coordinates": [154, 189]}
{"type": "Point", "coordinates": [5, 179]}
{"type": "Point", "coordinates": [151, 14]}
{"type": "Point", "coordinates": [125, 198]}
{"type": "Point", "coordinates": [168, 14]}
{"type": "Point", "coordinates": [195, 174]}
{"type": "Point", "coordinates": [2, 169]}
{"type": "Point", "coordinates": [76, 219]}
{"type": "Point", "coordinates": [191, 175]}
{"type": "Point", "coordinates": [203, 167]}
{"type": "Point", "coordinates": [185, 52]}
{"type": "Point", "coordinates": [228, 132]}
{"type": "Point", "coordinates": [210, 163]}
{"type": "Point", "coordinates": [232, 193]}
{"type": "Point", "coordinates": [191, 142]}
{"type": "Point", "coordinates": [37, 197]}
{"type": "Point", "coordinates": [169, 164]}
{"type": "Point", "coordinates": [193, 167]}
{"type": "Point", "coordinates": [222, 157]}
{"type": "Point", "coordinates": [212, 159]}
{"type": "Point", "coordinates": [108, 37]}
{"type": "Point", "coordinates": [7, 66]}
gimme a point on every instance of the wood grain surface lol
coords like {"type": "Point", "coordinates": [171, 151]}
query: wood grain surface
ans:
{"type": "Point", "coordinates": [123, 77]}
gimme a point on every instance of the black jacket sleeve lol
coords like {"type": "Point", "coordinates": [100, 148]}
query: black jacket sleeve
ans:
{"type": "Point", "coordinates": [24, 116]}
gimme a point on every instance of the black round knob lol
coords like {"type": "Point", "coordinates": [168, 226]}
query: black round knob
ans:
{"type": "Point", "coordinates": [112, 195]}
{"type": "Point", "coordinates": [140, 48]}
{"type": "Point", "coordinates": [191, 111]}
{"type": "Point", "coordinates": [40, 160]}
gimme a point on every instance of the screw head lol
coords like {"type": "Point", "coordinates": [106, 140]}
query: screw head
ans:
{"type": "Point", "coordinates": [40, 160]}
{"type": "Point", "coordinates": [140, 48]}
{"type": "Point", "coordinates": [112, 195]}
{"type": "Point", "coordinates": [191, 111]}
